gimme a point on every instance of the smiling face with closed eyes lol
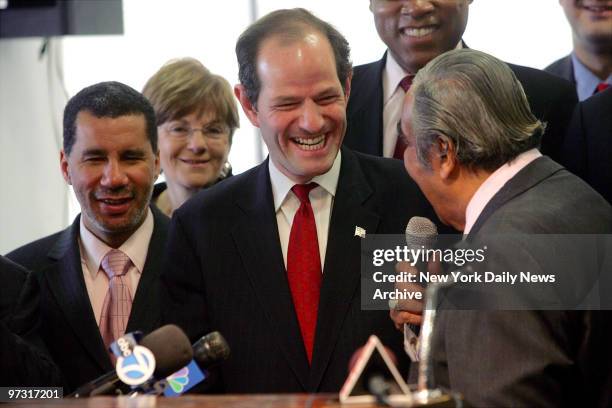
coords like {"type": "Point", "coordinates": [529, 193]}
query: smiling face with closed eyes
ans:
{"type": "Point", "coordinates": [301, 108]}
{"type": "Point", "coordinates": [112, 168]}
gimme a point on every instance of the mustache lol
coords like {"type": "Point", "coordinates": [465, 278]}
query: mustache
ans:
{"type": "Point", "coordinates": [114, 193]}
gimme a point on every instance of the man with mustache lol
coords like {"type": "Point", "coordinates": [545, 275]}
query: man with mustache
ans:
{"type": "Point", "coordinates": [589, 66]}
{"type": "Point", "coordinates": [415, 32]}
{"type": "Point", "coordinates": [99, 277]}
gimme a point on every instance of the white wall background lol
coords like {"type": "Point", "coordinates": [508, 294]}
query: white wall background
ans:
{"type": "Point", "coordinates": [526, 32]}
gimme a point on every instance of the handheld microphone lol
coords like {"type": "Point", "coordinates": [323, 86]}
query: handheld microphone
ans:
{"type": "Point", "coordinates": [210, 350]}
{"type": "Point", "coordinates": [421, 234]}
{"type": "Point", "coordinates": [171, 350]}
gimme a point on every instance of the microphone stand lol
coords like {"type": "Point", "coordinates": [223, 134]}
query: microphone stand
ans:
{"type": "Point", "coordinates": [427, 394]}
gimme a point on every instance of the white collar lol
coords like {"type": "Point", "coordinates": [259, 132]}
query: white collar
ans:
{"type": "Point", "coordinates": [281, 184]}
{"type": "Point", "coordinates": [135, 247]}
{"type": "Point", "coordinates": [393, 74]}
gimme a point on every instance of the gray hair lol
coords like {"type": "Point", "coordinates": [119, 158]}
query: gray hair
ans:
{"type": "Point", "coordinates": [474, 101]}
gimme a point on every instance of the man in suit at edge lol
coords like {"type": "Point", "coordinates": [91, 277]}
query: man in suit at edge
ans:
{"type": "Point", "coordinates": [588, 145]}
{"type": "Point", "coordinates": [21, 364]}
{"type": "Point", "coordinates": [234, 250]}
{"type": "Point", "coordinates": [472, 149]}
{"type": "Point", "coordinates": [112, 252]}
{"type": "Point", "coordinates": [415, 32]}
{"type": "Point", "coordinates": [589, 66]}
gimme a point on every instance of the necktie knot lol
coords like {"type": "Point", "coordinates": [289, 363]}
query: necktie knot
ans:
{"type": "Point", "coordinates": [602, 87]}
{"type": "Point", "coordinates": [406, 82]}
{"type": "Point", "coordinates": [115, 263]}
{"type": "Point", "coordinates": [302, 190]}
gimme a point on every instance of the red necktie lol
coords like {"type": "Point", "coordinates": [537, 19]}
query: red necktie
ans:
{"type": "Point", "coordinates": [304, 266]}
{"type": "Point", "coordinates": [400, 146]}
{"type": "Point", "coordinates": [602, 87]}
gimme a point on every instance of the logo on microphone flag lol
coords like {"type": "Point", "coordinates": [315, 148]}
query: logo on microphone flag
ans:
{"type": "Point", "coordinates": [137, 367]}
{"type": "Point", "coordinates": [184, 379]}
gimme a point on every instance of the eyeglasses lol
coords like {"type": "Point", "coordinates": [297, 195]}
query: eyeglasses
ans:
{"type": "Point", "coordinates": [210, 132]}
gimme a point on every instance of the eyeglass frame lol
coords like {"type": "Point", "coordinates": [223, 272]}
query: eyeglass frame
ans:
{"type": "Point", "coordinates": [189, 131]}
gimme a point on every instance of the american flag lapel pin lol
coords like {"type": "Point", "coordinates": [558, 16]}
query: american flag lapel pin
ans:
{"type": "Point", "coordinates": [360, 232]}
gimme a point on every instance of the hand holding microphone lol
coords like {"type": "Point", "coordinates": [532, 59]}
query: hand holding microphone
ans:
{"type": "Point", "coordinates": [407, 311]}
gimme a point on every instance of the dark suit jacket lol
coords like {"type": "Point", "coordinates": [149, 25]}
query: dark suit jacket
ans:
{"type": "Point", "coordinates": [551, 99]}
{"type": "Point", "coordinates": [563, 68]}
{"type": "Point", "coordinates": [68, 326]}
{"type": "Point", "coordinates": [21, 363]}
{"type": "Point", "coordinates": [532, 358]}
{"type": "Point", "coordinates": [13, 277]}
{"type": "Point", "coordinates": [587, 150]}
{"type": "Point", "coordinates": [226, 273]}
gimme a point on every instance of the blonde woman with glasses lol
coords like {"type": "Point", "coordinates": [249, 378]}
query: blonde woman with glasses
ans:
{"type": "Point", "coordinates": [196, 118]}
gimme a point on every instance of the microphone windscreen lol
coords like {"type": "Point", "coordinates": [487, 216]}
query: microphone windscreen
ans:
{"type": "Point", "coordinates": [171, 348]}
{"type": "Point", "coordinates": [420, 231]}
{"type": "Point", "coordinates": [211, 349]}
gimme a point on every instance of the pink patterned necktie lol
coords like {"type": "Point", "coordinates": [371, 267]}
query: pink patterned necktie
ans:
{"type": "Point", "coordinates": [118, 301]}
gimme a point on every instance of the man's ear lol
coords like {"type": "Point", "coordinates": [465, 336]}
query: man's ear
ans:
{"type": "Point", "coordinates": [64, 167]}
{"type": "Point", "coordinates": [247, 106]}
{"type": "Point", "coordinates": [157, 166]}
{"type": "Point", "coordinates": [447, 157]}
{"type": "Point", "coordinates": [347, 85]}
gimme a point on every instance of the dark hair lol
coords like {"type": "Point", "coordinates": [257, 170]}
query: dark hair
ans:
{"type": "Point", "coordinates": [290, 25]}
{"type": "Point", "coordinates": [108, 100]}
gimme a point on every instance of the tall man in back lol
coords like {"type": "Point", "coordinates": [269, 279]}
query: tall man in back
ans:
{"type": "Point", "coordinates": [271, 257]}
{"type": "Point", "coordinates": [589, 66]}
{"type": "Point", "coordinates": [99, 277]}
{"type": "Point", "coordinates": [415, 32]}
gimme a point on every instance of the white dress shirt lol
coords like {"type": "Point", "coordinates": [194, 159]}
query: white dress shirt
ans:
{"type": "Point", "coordinates": [93, 250]}
{"type": "Point", "coordinates": [393, 100]}
{"type": "Point", "coordinates": [286, 204]}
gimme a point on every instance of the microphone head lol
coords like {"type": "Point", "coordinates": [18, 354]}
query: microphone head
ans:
{"type": "Point", "coordinates": [211, 349]}
{"type": "Point", "coordinates": [420, 231]}
{"type": "Point", "coordinates": [171, 348]}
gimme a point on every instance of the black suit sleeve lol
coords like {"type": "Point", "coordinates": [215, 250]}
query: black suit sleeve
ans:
{"type": "Point", "coordinates": [23, 364]}
{"type": "Point", "coordinates": [574, 150]}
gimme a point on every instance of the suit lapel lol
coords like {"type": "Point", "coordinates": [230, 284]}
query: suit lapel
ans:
{"type": "Point", "coordinates": [366, 121]}
{"type": "Point", "coordinates": [533, 174]}
{"type": "Point", "coordinates": [146, 313]}
{"type": "Point", "coordinates": [257, 242]}
{"type": "Point", "coordinates": [341, 273]}
{"type": "Point", "coordinates": [66, 282]}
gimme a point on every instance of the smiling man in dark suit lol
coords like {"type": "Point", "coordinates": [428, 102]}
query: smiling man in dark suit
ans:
{"type": "Point", "coordinates": [472, 149]}
{"type": "Point", "coordinates": [99, 277]}
{"type": "Point", "coordinates": [415, 32]}
{"type": "Point", "coordinates": [271, 257]}
{"type": "Point", "coordinates": [589, 66]}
